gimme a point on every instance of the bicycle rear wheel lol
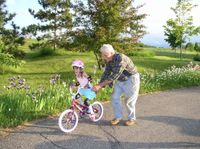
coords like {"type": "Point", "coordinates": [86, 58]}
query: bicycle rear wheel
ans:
{"type": "Point", "coordinates": [98, 110]}
{"type": "Point", "coordinates": [68, 120]}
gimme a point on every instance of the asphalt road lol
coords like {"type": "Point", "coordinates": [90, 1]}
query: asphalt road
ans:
{"type": "Point", "coordinates": [164, 120]}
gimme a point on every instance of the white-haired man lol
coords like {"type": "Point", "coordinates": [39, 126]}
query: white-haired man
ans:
{"type": "Point", "coordinates": [120, 68]}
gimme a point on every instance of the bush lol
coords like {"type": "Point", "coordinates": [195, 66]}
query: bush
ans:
{"type": "Point", "coordinates": [46, 51]}
{"type": "Point", "coordinates": [9, 60]}
{"type": "Point", "coordinates": [19, 53]}
{"type": "Point", "coordinates": [141, 53]}
{"type": "Point", "coordinates": [189, 46]}
{"type": "Point", "coordinates": [125, 48]}
{"type": "Point", "coordinates": [196, 57]}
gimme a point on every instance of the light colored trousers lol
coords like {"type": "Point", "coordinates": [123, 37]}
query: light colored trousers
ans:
{"type": "Point", "coordinates": [130, 89]}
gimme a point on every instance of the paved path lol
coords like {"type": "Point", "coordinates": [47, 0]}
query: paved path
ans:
{"type": "Point", "coordinates": [165, 120]}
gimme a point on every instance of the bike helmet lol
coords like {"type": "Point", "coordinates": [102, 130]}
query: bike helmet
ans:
{"type": "Point", "coordinates": [78, 63]}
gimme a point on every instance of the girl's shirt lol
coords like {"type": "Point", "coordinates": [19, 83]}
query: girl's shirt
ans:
{"type": "Point", "coordinates": [86, 91]}
{"type": "Point", "coordinates": [83, 81]}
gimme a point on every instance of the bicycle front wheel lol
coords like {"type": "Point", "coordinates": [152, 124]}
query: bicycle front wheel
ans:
{"type": "Point", "coordinates": [68, 120]}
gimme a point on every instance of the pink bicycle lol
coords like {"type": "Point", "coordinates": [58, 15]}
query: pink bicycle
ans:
{"type": "Point", "coordinates": [68, 119]}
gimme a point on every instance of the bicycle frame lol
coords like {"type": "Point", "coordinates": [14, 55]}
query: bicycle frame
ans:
{"type": "Point", "coordinates": [76, 105]}
{"type": "Point", "coordinates": [69, 118]}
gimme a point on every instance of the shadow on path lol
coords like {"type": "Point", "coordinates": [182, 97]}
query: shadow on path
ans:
{"type": "Point", "coordinates": [186, 126]}
{"type": "Point", "coordinates": [78, 141]}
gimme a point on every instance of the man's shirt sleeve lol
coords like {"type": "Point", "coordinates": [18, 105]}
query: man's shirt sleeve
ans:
{"type": "Point", "coordinates": [105, 74]}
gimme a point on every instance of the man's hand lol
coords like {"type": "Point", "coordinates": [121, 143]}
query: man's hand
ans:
{"type": "Point", "coordinates": [96, 88]}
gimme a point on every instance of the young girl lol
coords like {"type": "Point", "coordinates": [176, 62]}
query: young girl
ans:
{"type": "Point", "coordinates": [84, 81]}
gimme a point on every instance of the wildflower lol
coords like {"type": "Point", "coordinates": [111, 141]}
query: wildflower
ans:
{"type": "Point", "coordinates": [18, 77]}
{"type": "Point", "coordinates": [13, 84]}
{"type": "Point", "coordinates": [64, 84]}
{"type": "Point", "coordinates": [54, 79]}
{"type": "Point", "coordinates": [33, 97]}
{"type": "Point", "coordinates": [9, 87]}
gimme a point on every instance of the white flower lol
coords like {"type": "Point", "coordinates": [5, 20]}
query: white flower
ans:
{"type": "Point", "coordinates": [64, 84]}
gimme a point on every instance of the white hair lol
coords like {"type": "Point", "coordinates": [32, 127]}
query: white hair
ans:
{"type": "Point", "coordinates": [107, 48]}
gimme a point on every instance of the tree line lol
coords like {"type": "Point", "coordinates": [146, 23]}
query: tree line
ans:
{"type": "Point", "coordinates": [82, 25]}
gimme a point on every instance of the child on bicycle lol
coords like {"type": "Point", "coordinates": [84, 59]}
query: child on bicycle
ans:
{"type": "Point", "coordinates": [84, 82]}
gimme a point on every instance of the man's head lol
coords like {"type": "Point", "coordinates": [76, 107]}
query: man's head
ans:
{"type": "Point", "coordinates": [107, 52]}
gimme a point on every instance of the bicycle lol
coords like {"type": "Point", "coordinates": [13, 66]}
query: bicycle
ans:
{"type": "Point", "coordinates": [68, 120]}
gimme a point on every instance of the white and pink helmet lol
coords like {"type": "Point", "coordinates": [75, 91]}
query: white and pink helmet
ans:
{"type": "Point", "coordinates": [78, 63]}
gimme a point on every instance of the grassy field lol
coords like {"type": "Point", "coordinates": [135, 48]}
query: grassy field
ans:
{"type": "Point", "coordinates": [19, 104]}
{"type": "Point", "coordinates": [38, 70]}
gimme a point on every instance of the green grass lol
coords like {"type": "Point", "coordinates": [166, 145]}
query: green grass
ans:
{"type": "Point", "coordinates": [28, 42]}
{"type": "Point", "coordinates": [18, 106]}
{"type": "Point", "coordinates": [38, 70]}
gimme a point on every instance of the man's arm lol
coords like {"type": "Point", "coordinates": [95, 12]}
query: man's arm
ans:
{"type": "Point", "coordinates": [97, 87]}
{"type": "Point", "coordinates": [116, 70]}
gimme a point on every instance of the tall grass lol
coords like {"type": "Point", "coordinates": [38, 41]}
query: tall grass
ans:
{"type": "Point", "coordinates": [174, 77]}
{"type": "Point", "coordinates": [20, 103]}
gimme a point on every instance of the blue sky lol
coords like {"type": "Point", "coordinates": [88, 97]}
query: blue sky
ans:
{"type": "Point", "coordinates": [158, 13]}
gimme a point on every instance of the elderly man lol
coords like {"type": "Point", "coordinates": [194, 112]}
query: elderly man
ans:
{"type": "Point", "coordinates": [120, 68]}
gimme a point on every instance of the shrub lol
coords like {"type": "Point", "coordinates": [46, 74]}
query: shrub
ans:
{"type": "Point", "coordinates": [125, 48]}
{"type": "Point", "coordinates": [141, 53]}
{"type": "Point", "coordinates": [19, 53]}
{"type": "Point", "coordinates": [189, 46]}
{"type": "Point", "coordinates": [46, 51]}
{"type": "Point", "coordinates": [196, 57]}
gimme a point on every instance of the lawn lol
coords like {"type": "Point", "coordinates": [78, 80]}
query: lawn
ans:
{"type": "Point", "coordinates": [19, 104]}
{"type": "Point", "coordinates": [38, 70]}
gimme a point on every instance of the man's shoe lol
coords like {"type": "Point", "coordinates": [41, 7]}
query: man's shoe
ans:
{"type": "Point", "coordinates": [115, 121]}
{"type": "Point", "coordinates": [130, 123]}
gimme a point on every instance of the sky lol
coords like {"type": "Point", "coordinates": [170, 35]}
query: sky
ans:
{"type": "Point", "coordinates": [158, 13]}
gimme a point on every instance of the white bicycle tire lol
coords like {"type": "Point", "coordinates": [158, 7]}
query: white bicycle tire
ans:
{"type": "Point", "coordinates": [61, 118]}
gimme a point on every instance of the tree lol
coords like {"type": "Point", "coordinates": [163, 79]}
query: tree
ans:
{"type": "Point", "coordinates": [178, 30]}
{"type": "Point", "coordinates": [197, 47]}
{"type": "Point", "coordinates": [105, 21]}
{"type": "Point", "coordinates": [189, 46]}
{"type": "Point", "coordinates": [171, 32]}
{"type": "Point", "coordinates": [10, 39]}
{"type": "Point", "coordinates": [135, 28]}
{"type": "Point", "coordinates": [57, 22]}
